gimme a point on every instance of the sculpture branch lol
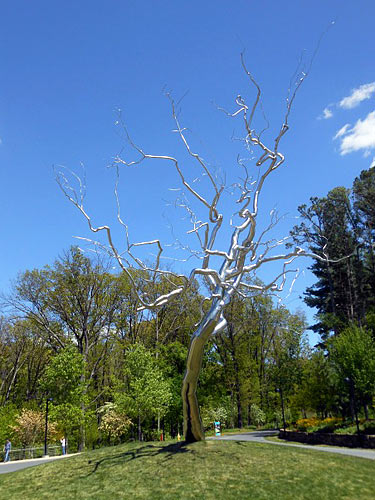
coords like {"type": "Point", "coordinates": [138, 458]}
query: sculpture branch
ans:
{"type": "Point", "coordinates": [246, 252]}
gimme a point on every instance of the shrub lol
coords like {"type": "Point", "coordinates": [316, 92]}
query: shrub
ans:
{"type": "Point", "coordinates": [303, 424]}
{"type": "Point", "coordinates": [315, 424]}
{"type": "Point", "coordinates": [210, 415]}
{"type": "Point", "coordinates": [257, 415]}
{"type": "Point", "coordinates": [114, 424]}
{"type": "Point", "coordinates": [369, 427]}
{"type": "Point", "coordinates": [30, 427]}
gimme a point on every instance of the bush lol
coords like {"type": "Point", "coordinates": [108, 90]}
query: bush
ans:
{"type": "Point", "coordinates": [315, 424]}
{"type": "Point", "coordinates": [30, 426]}
{"type": "Point", "coordinates": [351, 429]}
{"type": "Point", "coordinates": [365, 427]}
{"type": "Point", "coordinates": [303, 424]}
{"type": "Point", "coordinates": [257, 415]}
{"type": "Point", "coordinates": [210, 415]}
{"type": "Point", "coordinates": [369, 427]}
{"type": "Point", "coordinates": [114, 423]}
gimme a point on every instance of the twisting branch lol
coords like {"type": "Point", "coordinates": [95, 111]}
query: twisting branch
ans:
{"type": "Point", "coordinates": [247, 251]}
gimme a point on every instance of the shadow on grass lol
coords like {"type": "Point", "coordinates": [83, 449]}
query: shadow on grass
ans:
{"type": "Point", "coordinates": [144, 451]}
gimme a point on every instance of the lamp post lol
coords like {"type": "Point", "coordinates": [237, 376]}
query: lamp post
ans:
{"type": "Point", "coordinates": [282, 406]}
{"type": "Point", "coordinates": [46, 429]}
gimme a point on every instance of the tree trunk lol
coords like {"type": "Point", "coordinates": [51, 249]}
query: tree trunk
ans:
{"type": "Point", "coordinates": [82, 349]}
{"type": "Point", "coordinates": [238, 393]}
{"type": "Point", "coordinates": [351, 406]}
{"type": "Point", "coordinates": [193, 430]}
{"type": "Point", "coordinates": [139, 428]}
{"type": "Point", "coordinates": [82, 432]}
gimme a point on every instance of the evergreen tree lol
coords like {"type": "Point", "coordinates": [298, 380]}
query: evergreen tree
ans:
{"type": "Point", "coordinates": [328, 227]}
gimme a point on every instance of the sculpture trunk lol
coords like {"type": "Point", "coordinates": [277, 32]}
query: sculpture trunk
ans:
{"type": "Point", "coordinates": [193, 429]}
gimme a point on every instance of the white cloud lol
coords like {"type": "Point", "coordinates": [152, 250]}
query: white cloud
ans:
{"type": "Point", "coordinates": [361, 137]}
{"type": "Point", "coordinates": [358, 95]}
{"type": "Point", "coordinates": [327, 113]}
{"type": "Point", "coordinates": [342, 131]}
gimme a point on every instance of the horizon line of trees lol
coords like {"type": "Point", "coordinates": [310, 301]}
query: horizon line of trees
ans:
{"type": "Point", "coordinates": [73, 332]}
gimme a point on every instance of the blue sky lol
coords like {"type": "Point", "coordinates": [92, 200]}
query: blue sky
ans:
{"type": "Point", "coordinates": [67, 66]}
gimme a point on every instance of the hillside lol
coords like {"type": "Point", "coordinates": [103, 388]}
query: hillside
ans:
{"type": "Point", "coordinates": [204, 470]}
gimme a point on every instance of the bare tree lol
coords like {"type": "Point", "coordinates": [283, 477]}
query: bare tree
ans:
{"type": "Point", "coordinates": [248, 250]}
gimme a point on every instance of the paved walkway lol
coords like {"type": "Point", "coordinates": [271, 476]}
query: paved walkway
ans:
{"type": "Point", "coordinates": [259, 437]}
{"type": "Point", "coordinates": [23, 464]}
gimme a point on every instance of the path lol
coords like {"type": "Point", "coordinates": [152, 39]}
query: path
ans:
{"type": "Point", "coordinates": [23, 464]}
{"type": "Point", "coordinates": [259, 437]}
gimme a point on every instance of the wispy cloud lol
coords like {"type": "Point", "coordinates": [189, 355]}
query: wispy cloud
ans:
{"type": "Point", "coordinates": [342, 131]}
{"type": "Point", "coordinates": [361, 137]}
{"type": "Point", "coordinates": [327, 113]}
{"type": "Point", "coordinates": [358, 95]}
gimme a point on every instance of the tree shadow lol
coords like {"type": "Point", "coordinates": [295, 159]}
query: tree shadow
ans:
{"type": "Point", "coordinates": [144, 451]}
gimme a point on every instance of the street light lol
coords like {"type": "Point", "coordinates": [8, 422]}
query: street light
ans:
{"type": "Point", "coordinates": [46, 429]}
{"type": "Point", "coordinates": [282, 406]}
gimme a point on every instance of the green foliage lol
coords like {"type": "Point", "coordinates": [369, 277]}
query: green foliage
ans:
{"type": "Point", "coordinates": [340, 228]}
{"type": "Point", "coordinates": [114, 423]}
{"type": "Point", "coordinates": [8, 416]}
{"type": "Point", "coordinates": [145, 392]}
{"type": "Point", "coordinates": [317, 389]}
{"type": "Point", "coordinates": [353, 356]}
{"type": "Point", "coordinates": [258, 417]}
{"type": "Point", "coordinates": [29, 428]}
{"type": "Point", "coordinates": [211, 414]}
{"type": "Point", "coordinates": [314, 424]}
{"type": "Point", "coordinates": [68, 417]}
{"type": "Point", "coordinates": [62, 379]}
{"type": "Point", "coordinates": [87, 343]}
{"type": "Point", "coordinates": [278, 417]}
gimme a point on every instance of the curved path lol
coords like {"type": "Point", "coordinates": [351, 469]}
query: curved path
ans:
{"type": "Point", "coordinates": [23, 464]}
{"type": "Point", "coordinates": [259, 437]}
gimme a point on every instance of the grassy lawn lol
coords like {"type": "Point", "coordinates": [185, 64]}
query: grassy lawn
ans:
{"type": "Point", "coordinates": [235, 430]}
{"type": "Point", "coordinates": [206, 470]}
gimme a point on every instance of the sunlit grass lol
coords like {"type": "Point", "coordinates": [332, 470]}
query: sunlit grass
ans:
{"type": "Point", "coordinates": [206, 470]}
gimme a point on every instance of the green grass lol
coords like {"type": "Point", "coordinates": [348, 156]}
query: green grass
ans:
{"type": "Point", "coordinates": [206, 470]}
{"type": "Point", "coordinates": [234, 430]}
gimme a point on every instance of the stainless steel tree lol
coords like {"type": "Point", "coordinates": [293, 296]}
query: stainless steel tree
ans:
{"type": "Point", "coordinates": [223, 272]}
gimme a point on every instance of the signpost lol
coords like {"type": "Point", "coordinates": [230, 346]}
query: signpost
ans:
{"type": "Point", "coordinates": [217, 428]}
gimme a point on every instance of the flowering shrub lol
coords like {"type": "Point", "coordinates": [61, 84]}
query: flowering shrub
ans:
{"type": "Point", "coordinates": [306, 423]}
{"type": "Point", "coordinates": [257, 415]}
{"type": "Point", "coordinates": [30, 427]}
{"type": "Point", "coordinates": [314, 424]}
{"type": "Point", "coordinates": [114, 423]}
{"type": "Point", "coordinates": [210, 415]}
{"type": "Point", "coordinates": [332, 421]}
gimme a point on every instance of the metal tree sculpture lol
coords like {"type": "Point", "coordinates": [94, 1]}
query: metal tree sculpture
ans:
{"type": "Point", "coordinates": [247, 251]}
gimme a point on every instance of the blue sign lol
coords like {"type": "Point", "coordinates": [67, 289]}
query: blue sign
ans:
{"type": "Point", "coordinates": [217, 429]}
